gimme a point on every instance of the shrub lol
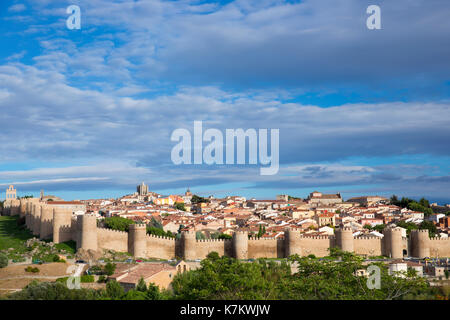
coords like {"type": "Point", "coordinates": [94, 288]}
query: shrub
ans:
{"type": "Point", "coordinates": [87, 278]}
{"type": "Point", "coordinates": [3, 260]}
{"type": "Point", "coordinates": [62, 280]}
{"type": "Point", "coordinates": [118, 223]}
{"type": "Point", "coordinates": [96, 270]}
{"type": "Point", "coordinates": [110, 268]}
{"type": "Point", "coordinates": [114, 290]}
{"type": "Point", "coordinates": [31, 269]}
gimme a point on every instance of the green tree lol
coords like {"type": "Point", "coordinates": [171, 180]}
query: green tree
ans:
{"type": "Point", "coordinates": [114, 290]}
{"type": "Point", "coordinates": [53, 291]}
{"type": "Point", "coordinates": [425, 224]}
{"type": "Point", "coordinates": [379, 227]}
{"type": "Point", "coordinates": [156, 224]}
{"type": "Point", "coordinates": [153, 292]}
{"type": "Point", "coordinates": [155, 227]}
{"type": "Point", "coordinates": [333, 278]}
{"type": "Point", "coordinates": [135, 295]}
{"type": "Point", "coordinates": [3, 260]}
{"type": "Point", "coordinates": [228, 278]}
{"type": "Point", "coordinates": [196, 199]}
{"type": "Point", "coordinates": [141, 286]}
{"type": "Point", "coordinates": [260, 231]}
{"type": "Point", "coordinates": [110, 268]}
{"type": "Point", "coordinates": [394, 200]}
{"type": "Point", "coordinates": [180, 206]}
{"type": "Point", "coordinates": [424, 202]}
{"type": "Point", "coordinates": [199, 235]}
{"type": "Point", "coordinates": [118, 223]}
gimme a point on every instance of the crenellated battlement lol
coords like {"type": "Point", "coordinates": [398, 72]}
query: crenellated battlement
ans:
{"type": "Point", "coordinates": [316, 237]}
{"type": "Point", "coordinates": [106, 230]}
{"type": "Point", "coordinates": [420, 231]}
{"type": "Point", "coordinates": [214, 240]}
{"type": "Point", "coordinates": [367, 238]}
{"type": "Point", "coordinates": [152, 236]}
{"type": "Point", "coordinates": [62, 226]}
{"type": "Point", "coordinates": [439, 239]}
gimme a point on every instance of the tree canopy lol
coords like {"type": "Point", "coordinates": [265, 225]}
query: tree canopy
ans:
{"type": "Point", "coordinates": [118, 223]}
{"type": "Point", "coordinates": [332, 278]}
{"type": "Point", "coordinates": [196, 199]}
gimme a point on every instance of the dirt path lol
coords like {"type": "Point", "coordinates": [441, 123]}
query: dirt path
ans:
{"type": "Point", "coordinates": [14, 277]}
{"type": "Point", "coordinates": [48, 269]}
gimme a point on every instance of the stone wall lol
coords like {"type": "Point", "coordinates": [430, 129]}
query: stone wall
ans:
{"type": "Point", "coordinates": [318, 246]}
{"type": "Point", "coordinates": [160, 247]}
{"type": "Point", "coordinates": [369, 246]}
{"type": "Point", "coordinates": [61, 225]}
{"type": "Point", "coordinates": [265, 248]}
{"type": "Point", "coordinates": [112, 240]}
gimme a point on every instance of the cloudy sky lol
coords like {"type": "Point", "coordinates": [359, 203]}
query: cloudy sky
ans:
{"type": "Point", "coordinates": [89, 113]}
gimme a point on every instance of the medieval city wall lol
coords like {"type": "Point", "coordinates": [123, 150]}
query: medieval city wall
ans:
{"type": "Point", "coordinates": [205, 246]}
{"type": "Point", "coordinates": [369, 246]}
{"type": "Point", "coordinates": [439, 247]}
{"type": "Point", "coordinates": [112, 240]}
{"type": "Point", "coordinates": [160, 247]}
{"type": "Point", "coordinates": [318, 245]}
{"type": "Point", "coordinates": [265, 248]}
{"type": "Point", "coordinates": [60, 225]}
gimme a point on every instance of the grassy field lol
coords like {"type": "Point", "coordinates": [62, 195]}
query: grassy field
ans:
{"type": "Point", "coordinates": [14, 236]}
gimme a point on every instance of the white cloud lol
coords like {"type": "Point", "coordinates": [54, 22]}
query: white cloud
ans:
{"type": "Point", "coordinates": [19, 7]}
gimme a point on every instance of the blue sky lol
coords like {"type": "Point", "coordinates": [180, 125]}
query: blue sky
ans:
{"type": "Point", "coordinates": [89, 113]}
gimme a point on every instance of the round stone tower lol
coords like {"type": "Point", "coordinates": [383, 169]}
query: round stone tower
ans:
{"type": "Point", "coordinates": [28, 214]}
{"type": "Point", "coordinates": [137, 240]}
{"type": "Point", "coordinates": [420, 243]}
{"type": "Point", "coordinates": [189, 245]}
{"type": "Point", "coordinates": [23, 207]}
{"type": "Point", "coordinates": [240, 244]}
{"type": "Point", "coordinates": [292, 242]}
{"type": "Point", "coordinates": [61, 225]}
{"type": "Point", "coordinates": [344, 238]}
{"type": "Point", "coordinates": [87, 225]}
{"type": "Point", "coordinates": [46, 228]}
{"type": "Point", "coordinates": [36, 219]}
{"type": "Point", "coordinates": [393, 242]}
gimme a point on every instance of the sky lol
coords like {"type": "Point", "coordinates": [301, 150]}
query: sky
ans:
{"type": "Point", "coordinates": [89, 113]}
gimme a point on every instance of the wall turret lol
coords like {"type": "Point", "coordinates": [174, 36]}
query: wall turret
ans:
{"type": "Point", "coordinates": [36, 214]}
{"type": "Point", "coordinates": [292, 242]}
{"type": "Point", "coordinates": [62, 220]}
{"type": "Point", "coordinates": [46, 227]}
{"type": "Point", "coordinates": [344, 238]}
{"type": "Point", "coordinates": [87, 229]}
{"type": "Point", "coordinates": [189, 245]}
{"type": "Point", "coordinates": [420, 243]}
{"type": "Point", "coordinates": [23, 208]}
{"type": "Point", "coordinates": [137, 240]}
{"type": "Point", "coordinates": [240, 244]}
{"type": "Point", "coordinates": [28, 214]}
{"type": "Point", "coordinates": [393, 243]}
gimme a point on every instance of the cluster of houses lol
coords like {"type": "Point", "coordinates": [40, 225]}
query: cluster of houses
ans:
{"type": "Point", "coordinates": [318, 214]}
